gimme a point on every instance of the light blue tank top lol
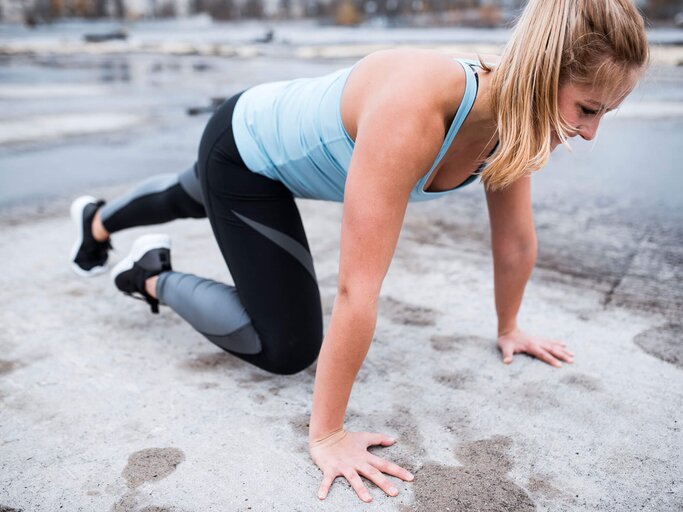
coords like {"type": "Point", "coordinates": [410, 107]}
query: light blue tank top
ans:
{"type": "Point", "coordinates": [291, 131]}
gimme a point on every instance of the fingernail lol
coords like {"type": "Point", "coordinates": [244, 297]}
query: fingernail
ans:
{"type": "Point", "coordinates": [393, 490]}
{"type": "Point", "coordinates": [392, 440]}
{"type": "Point", "coordinates": [410, 476]}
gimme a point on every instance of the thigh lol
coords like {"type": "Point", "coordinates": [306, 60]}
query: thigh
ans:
{"type": "Point", "coordinates": [260, 234]}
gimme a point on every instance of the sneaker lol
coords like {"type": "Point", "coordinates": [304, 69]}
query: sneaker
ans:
{"type": "Point", "coordinates": [88, 256]}
{"type": "Point", "coordinates": [149, 256]}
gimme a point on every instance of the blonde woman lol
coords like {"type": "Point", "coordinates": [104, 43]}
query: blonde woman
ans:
{"type": "Point", "coordinates": [398, 126]}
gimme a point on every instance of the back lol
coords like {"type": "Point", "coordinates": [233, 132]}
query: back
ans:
{"type": "Point", "coordinates": [292, 131]}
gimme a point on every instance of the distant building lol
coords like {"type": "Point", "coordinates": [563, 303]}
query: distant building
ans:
{"type": "Point", "coordinates": [13, 11]}
{"type": "Point", "coordinates": [36, 11]}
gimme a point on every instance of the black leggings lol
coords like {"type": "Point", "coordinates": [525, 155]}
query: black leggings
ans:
{"type": "Point", "coordinates": [259, 232]}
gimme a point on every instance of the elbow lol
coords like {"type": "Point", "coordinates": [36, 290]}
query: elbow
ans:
{"type": "Point", "coordinates": [358, 296]}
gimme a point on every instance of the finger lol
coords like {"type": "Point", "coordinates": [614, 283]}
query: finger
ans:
{"type": "Point", "coordinates": [544, 355]}
{"type": "Point", "coordinates": [507, 351]}
{"type": "Point", "coordinates": [328, 478]}
{"type": "Point", "coordinates": [390, 468]}
{"type": "Point", "coordinates": [372, 474]}
{"type": "Point", "coordinates": [556, 344]}
{"type": "Point", "coordinates": [561, 354]}
{"type": "Point", "coordinates": [381, 439]}
{"type": "Point", "coordinates": [357, 484]}
{"type": "Point", "coordinates": [557, 351]}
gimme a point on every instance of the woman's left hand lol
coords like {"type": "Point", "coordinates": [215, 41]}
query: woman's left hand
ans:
{"type": "Point", "coordinates": [550, 351]}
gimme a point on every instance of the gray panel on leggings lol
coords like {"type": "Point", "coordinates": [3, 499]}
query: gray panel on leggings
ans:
{"type": "Point", "coordinates": [153, 185]}
{"type": "Point", "coordinates": [212, 308]}
{"type": "Point", "coordinates": [242, 341]}
{"type": "Point", "coordinates": [285, 241]}
{"type": "Point", "coordinates": [190, 183]}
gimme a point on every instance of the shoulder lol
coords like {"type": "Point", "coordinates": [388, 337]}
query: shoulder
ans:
{"type": "Point", "coordinates": [423, 79]}
{"type": "Point", "coordinates": [402, 101]}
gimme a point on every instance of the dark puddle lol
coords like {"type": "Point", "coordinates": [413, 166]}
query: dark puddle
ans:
{"type": "Point", "coordinates": [582, 382]}
{"type": "Point", "coordinates": [408, 451]}
{"type": "Point", "coordinates": [531, 397]}
{"type": "Point", "coordinates": [663, 342]}
{"type": "Point", "coordinates": [480, 484]}
{"type": "Point", "coordinates": [75, 292]}
{"type": "Point", "coordinates": [458, 380]}
{"type": "Point", "coordinates": [148, 465]}
{"type": "Point", "coordinates": [403, 313]}
{"type": "Point", "coordinates": [212, 362]}
{"type": "Point", "coordinates": [8, 366]}
{"type": "Point", "coordinates": [299, 425]}
{"type": "Point", "coordinates": [208, 385]}
{"type": "Point", "coordinates": [446, 343]}
{"type": "Point", "coordinates": [542, 487]}
{"type": "Point", "coordinates": [151, 465]}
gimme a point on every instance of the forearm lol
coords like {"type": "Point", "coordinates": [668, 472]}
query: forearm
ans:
{"type": "Point", "coordinates": [512, 270]}
{"type": "Point", "coordinates": [343, 350]}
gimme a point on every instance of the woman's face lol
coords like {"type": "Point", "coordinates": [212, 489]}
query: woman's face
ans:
{"type": "Point", "coordinates": [582, 108]}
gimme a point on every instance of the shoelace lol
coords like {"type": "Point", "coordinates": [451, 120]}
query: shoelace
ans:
{"type": "Point", "coordinates": [153, 303]}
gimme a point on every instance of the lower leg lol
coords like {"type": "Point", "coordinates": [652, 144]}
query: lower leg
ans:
{"type": "Point", "coordinates": [151, 286]}
{"type": "Point", "coordinates": [213, 309]}
{"type": "Point", "coordinates": [157, 200]}
{"type": "Point", "coordinates": [99, 232]}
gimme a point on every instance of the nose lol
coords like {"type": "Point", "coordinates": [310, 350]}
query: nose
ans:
{"type": "Point", "coordinates": [589, 131]}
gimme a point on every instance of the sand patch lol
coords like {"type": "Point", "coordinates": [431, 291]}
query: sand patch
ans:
{"type": "Point", "coordinates": [480, 484]}
{"type": "Point", "coordinates": [663, 342]}
{"type": "Point", "coordinates": [151, 465]}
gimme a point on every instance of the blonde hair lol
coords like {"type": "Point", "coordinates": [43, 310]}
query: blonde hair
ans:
{"type": "Point", "coordinates": [588, 42]}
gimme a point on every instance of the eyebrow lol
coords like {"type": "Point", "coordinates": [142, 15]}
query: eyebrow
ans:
{"type": "Point", "coordinates": [600, 105]}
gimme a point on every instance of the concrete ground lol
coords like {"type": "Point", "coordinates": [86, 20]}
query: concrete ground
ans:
{"type": "Point", "coordinates": [106, 407]}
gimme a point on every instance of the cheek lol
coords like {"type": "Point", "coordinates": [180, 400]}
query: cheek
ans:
{"type": "Point", "coordinates": [569, 115]}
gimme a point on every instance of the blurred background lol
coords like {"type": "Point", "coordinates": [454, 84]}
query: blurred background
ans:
{"type": "Point", "coordinates": [479, 13]}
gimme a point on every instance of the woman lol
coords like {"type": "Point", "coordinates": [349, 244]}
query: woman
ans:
{"type": "Point", "coordinates": [398, 126]}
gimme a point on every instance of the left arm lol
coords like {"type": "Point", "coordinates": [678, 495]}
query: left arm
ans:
{"type": "Point", "coordinates": [513, 242]}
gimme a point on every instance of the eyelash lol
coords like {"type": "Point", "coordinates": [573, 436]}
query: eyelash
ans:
{"type": "Point", "coordinates": [587, 112]}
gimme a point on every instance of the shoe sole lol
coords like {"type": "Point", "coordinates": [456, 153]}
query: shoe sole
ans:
{"type": "Point", "coordinates": [140, 247]}
{"type": "Point", "coordinates": [76, 210]}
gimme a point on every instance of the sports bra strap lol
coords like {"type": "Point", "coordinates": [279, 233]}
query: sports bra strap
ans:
{"type": "Point", "coordinates": [466, 104]}
{"type": "Point", "coordinates": [471, 86]}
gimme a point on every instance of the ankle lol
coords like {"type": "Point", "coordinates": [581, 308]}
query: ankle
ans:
{"type": "Point", "coordinates": [151, 286]}
{"type": "Point", "coordinates": [98, 230]}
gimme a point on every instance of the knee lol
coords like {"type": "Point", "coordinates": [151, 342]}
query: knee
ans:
{"type": "Point", "coordinates": [290, 362]}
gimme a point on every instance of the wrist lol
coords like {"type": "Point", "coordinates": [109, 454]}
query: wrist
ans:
{"type": "Point", "coordinates": [326, 438]}
{"type": "Point", "coordinates": [506, 328]}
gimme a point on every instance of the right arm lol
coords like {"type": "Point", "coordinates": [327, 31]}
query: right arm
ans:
{"type": "Point", "coordinates": [399, 134]}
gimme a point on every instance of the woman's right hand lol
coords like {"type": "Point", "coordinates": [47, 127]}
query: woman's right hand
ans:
{"type": "Point", "coordinates": [346, 454]}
